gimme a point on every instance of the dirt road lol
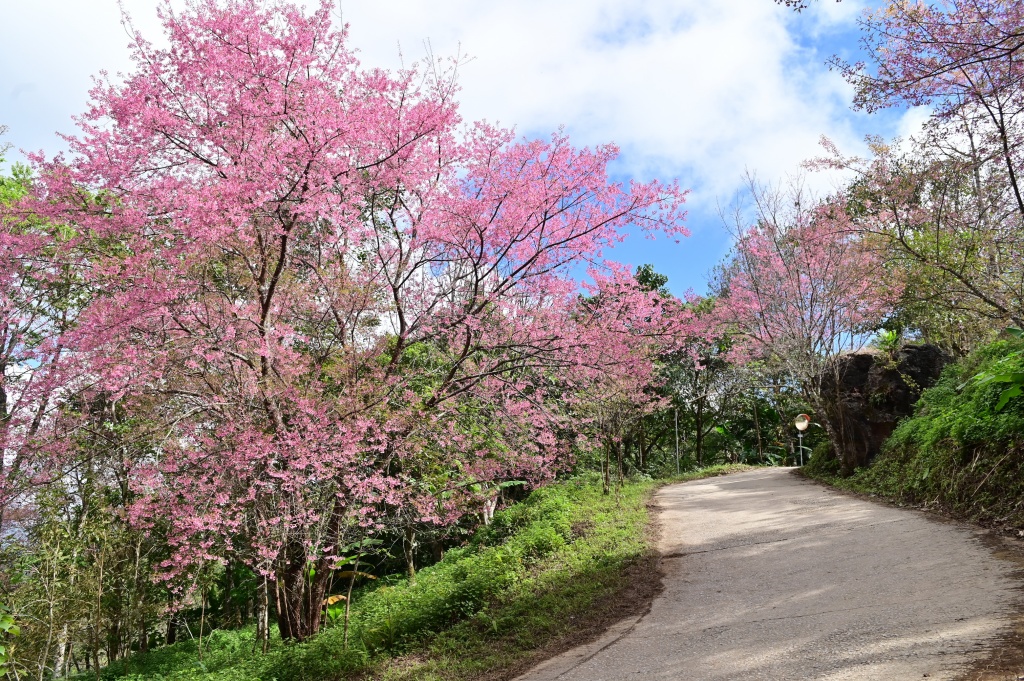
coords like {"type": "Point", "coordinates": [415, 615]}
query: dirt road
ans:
{"type": "Point", "coordinates": [768, 576]}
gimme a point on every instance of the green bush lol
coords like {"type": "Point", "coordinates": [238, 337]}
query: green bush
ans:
{"type": "Point", "coordinates": [392, 618]}
{"type": "Point", "coordinates": [958, 450]}
{"type": "Point", "coordinates": [227, 656]}
{"type": "Point", "coordinates": [522, 582]}
{"type": "Point", "coordinates": [823, 462]}
{"type": "Point", "coordinates": [540, 540]}
{"type": "Point", "coordinates": [320, 658]}
{"type": "Point", "coordinates": [553, 505]}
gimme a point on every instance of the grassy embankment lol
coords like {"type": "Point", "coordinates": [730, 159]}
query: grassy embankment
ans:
{"type": "Point", "coordinates": [550, 571]}
{"type": "Point", "coordinates": [957, 453]}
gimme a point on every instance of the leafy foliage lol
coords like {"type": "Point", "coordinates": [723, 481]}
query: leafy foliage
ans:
{"type": "Point", "coordinates": [8, 628]}
{"type": "Point", "coordinates": [1001, 374]}
{"type": "Point", "coordinates": [964, 447]}
{"type": "Point", "coordinates": [512, 587]}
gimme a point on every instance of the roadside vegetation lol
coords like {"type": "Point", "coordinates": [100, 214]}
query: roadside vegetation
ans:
{"type": "Point", "coordinates": [963, 449]}
{"type": "Point", "coordinates": [549, 570]}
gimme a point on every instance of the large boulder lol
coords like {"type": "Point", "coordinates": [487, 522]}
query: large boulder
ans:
{"type": "Point", "coordinates": [867, 394]}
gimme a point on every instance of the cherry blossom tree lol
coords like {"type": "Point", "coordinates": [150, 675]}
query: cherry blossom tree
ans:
{"type": "Point", "coordinates": [802, 288]}
{"type": "Point", "coordinates": [948, 203]}
{"type": "Point", "coordinates": [40, 297]}
{"type": "Point", "coordinates": [629, 325]}
{"type": "Point", "coordinates": [940, 222]}
{"type": "Point", "coordinates": [319, 282]}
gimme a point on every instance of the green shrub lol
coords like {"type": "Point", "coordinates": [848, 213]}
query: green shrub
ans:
{"type": "Point", "coordinates": [540, 540]}
{"type": "Point", "coordinates": [320, 658]}
{"type": "Point", "coordinates": [958, 450]}
{"type": "Point", "coordinates": [392, 618]}
{"type": "Point", "coordinates": [227, 656]}
{"type": "Point", "coordinates": [518, 584]}
{"type": "Point", "coordinates": [553, 504]}
{"type": "Point", "coordinates": [823, 462]}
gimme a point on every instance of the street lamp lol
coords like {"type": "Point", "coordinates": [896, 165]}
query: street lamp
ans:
{"type": "Point", "coordinates": [802, 421]}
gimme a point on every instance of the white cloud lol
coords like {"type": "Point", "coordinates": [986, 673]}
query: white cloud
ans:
{"type": "Point", "coordinates": [688, 88]}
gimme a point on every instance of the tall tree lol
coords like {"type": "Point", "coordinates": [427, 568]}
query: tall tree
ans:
{"type": "Point", "coordinates": [802, 287]}
{"type": "Point", "coordinates": [310, 272]}
{"type": "Point", "coordinates": [702, 376]}
{"type": "Point", "coordinates": [628, 322]}
{"type": "Point", "coordinates": [948, 205]}
{"type": "Point", "coordinates": [41, 294]}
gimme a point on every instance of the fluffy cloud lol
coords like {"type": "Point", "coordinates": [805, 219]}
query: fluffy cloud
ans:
{"type": "Point", "coordinates": [689, 89]}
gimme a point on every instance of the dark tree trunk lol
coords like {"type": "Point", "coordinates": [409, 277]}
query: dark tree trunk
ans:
{"type": "Point", "coordinates": [618, 453]}
{"type": "Point", "coordinates": [143, 635]}
{"type": "Point", "coordinates": [607, 468]}
{"type": "Point", "coordinates": [114, 640]}
{"type": "Point", "coordinates": [630, 450]}
{"type": "Point", "coordinates": [409, 549]}
{"type": "Point", "coordinates": [229, 612]}
{"type": "Point", "coordinates": [437, 550]}
{"type": "Point", "coordinates": [641, 447]}
{"type": "Point", "coordinates": [300, 591]}
{"type": "Point", "coordinates": [300, 597]}
{"type": "Point", "coordinates": [757, 429]}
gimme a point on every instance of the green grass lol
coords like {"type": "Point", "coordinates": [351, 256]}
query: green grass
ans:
{"type": "Point", "coordinates": [708, 472]}
{"type": "Point", "coordinates": [545, 568]}
{"type": "Point", "coordinates": [957, 452]}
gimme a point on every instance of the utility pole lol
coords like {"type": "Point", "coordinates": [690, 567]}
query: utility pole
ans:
{"type": "Point", "coordinates": [676, 410]}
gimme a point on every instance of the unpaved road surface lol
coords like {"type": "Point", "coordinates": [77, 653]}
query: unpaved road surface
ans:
{"type": "Point", "coordinates": [771, 577]}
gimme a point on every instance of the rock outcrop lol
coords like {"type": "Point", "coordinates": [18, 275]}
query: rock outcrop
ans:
{"type": "Point", "coordinates": [873, 392]}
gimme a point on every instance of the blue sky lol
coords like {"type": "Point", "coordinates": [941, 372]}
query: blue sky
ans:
{"type": "Point", "coordinates": [690, 89]}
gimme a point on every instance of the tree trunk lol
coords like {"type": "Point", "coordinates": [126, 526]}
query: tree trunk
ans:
{"type": "Point", "coordinates": [143, 635]}
{"type": "Point", "coordinates": [348, 596]}
{"type": "Point", "coordinates": [699, 444]}
{"type": "Point", "coordinates": [96, 618]}
{"type": "Point", "coordinates": [409, 549]}
{"type": "Point", "coordinates": [490, 506]}
{"type": "Point", "coordinates": [202, 624]}
{"type": "Point", "coordinates": [641, 445]}
{"type": "Point", "coordinates": [300, 597]}
{"type": "Point", "coordinates": [229, 611]}
{"type": "Point", "coordinates": [60, 664]}
{"type": "Point", "coordinates": [301, 590]}
{"type": "Point", "coordinates": [757, 429]}
{"type": "Point", "coordinates": [263, 617]}
{"type": "Point", "coordinates": [618, 453]}
{"type": "Point", "coordinates": [607, 466]}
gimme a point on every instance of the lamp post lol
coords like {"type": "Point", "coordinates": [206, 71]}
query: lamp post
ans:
{"type": "Point", "coordinates": [802, 421]}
